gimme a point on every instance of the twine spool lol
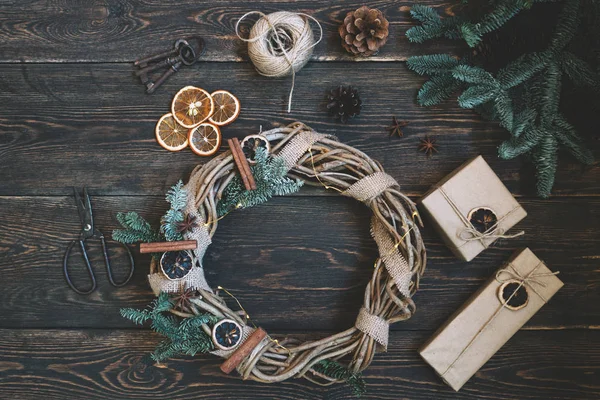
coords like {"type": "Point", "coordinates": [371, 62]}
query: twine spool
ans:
{"type": "Point", "coordinates": [280, 44]}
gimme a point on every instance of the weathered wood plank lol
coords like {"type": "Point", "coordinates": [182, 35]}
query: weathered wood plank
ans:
{"type": "Point", "coordinates": [72, 124]}
{"type": "Point", "coordinates": [123, 30]}
{"type": "Point", "coordinates": [286, 272]}
{"type": "Point", "coordinates": [100, 364]}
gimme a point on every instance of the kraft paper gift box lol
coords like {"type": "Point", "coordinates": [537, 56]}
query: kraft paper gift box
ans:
{"type": "Point", "coordinates": [489, 318]}
{"type": "Point", "coordinates": [471, 208]}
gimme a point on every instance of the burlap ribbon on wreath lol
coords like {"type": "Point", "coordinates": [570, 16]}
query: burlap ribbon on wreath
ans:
{"type": "Point", "coordinates": [365, 190]}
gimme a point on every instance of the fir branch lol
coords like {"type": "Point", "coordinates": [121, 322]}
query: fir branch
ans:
{"type": "Point", "coordinates": [503, 11]}
{"type": "Point", "coordinates": [433, 26]}
{"type": "Point", "coordinates": [579, 72]}
{"type": "Point", "coordinates": [177, 197]}
{"type": "Point", "coordinates": [182, 336]}
{"type": "Point", "coordinates": [546, 159]}
{"type": "Point", "coordinates": [432, 64]}
{"type": "Point", "coordinates": [136, 229]}
{"type": "Point", "coordinates": [271, 179]}
{"type": "Point", "coordinates": [476, 95]}
{"type": "Point", "coordinates": [437, 89]}
{"type": "Point", "coordinates": [567, 136]}
{"type": "Point", "coordinates": [335, 370]}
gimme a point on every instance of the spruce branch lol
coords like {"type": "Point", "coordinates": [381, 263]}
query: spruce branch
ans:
{"type": "Point", "coordinates": [524, 96]}
{"type": "Point", "coordinates": [335, 370]}
{"type": "Point", "coordinates": [136, 229]}
{"type": "Point", "coordinates": [181, 336]}
{"type": "Point", "coordinates": [271, 180]}
{"type": "Point", "coordinates": [177, 197]}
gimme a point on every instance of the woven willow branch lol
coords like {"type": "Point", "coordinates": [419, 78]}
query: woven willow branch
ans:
{"type": "Point", "coordinates": [324, 162]}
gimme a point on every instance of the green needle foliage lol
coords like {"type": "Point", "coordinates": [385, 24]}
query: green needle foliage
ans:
{"type": "Point", "coordinates": [185, 337]}
{"type": "Point", "coordinates": [335, 370]}
{"type": "Point", "coordinates": [177, 197]}
{"type": "Point", "coordinates": [271, 180]}
{"type": "Point", "coordinates": [136, 229]}
{"type": "Point", "coordinates": [524, 95]}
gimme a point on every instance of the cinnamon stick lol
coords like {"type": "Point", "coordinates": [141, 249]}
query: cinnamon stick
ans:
{"type": "Point", "coordinates": [159, 247]}
{"type": "Point", "coordinates": [245, 164]}
{"type": "Point", "coordinates": [242, 352]}
{"type": "Point", "coordinates": [242, 164]}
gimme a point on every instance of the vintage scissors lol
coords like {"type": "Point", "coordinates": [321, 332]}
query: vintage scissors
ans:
{"type": "Point", "coordinates": [88, 231]}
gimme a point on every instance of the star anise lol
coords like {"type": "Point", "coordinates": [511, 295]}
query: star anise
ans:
{"type": "Point", "coordinates": [428, 146]}
{"type": "Point", "coordinates": [396, 127]}
{"type": "Point", "coordinates": [187, 225]}
{"type": "Point", "coordinates": [181, 300]}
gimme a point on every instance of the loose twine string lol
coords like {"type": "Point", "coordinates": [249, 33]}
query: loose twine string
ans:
{"type": "Point", "coordinates": [530, 279]}
{"type": "Point", "coordinates": [294, 43]}
{"type": "Point", "coordinates": [494, 232]}
{"type": "Point", "coordinates": [323, 161]}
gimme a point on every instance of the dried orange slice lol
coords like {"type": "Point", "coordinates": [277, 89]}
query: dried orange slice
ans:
{"type": "Point", "coordinates": [170, 134]}
{"type": "Point", "coordinates": [227, 108]}
{"type": "Point", "coordinates": [191, 106]}
{"type": "Point", "coordinates": [205, 139]}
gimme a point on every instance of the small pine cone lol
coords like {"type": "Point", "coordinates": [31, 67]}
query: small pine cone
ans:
{"type": "Point", "coordinates": [344, 103]}
{"type": "Point", "coordinates": [364, 31]}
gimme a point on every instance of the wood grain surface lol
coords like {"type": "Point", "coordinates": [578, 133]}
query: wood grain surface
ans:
{"type": "Point", "coordinates": [103, 364]}
{"type": "Point", "coordinates": [97, 123]}
{"type": "Point", "coordinates": [123, 30]}
{"type": "Point", "coordinates": [73, 114]}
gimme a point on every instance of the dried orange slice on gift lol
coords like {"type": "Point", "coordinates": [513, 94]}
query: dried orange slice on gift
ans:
{"type": "Point", "coordinates": [191, 106]}
{"type": "Point", "coordinates": [170, 134]}
{"type": "Point", "coordinates": [227, 108]}
{"type": "Point", "coordinates": [205, 139]}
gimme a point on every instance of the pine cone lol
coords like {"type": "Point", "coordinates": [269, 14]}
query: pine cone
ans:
{"type": "Point", "coordinates": [364, 31]}
{"type": "Point", "coordinates": [344, 103]}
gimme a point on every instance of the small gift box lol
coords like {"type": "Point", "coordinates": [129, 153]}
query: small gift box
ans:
{"type": "Point", "coordinates": [489, 318]}
{"type": "Point", "coordinates": [471, 208]}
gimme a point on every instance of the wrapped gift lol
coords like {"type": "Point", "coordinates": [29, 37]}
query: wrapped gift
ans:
{"type": "Point", "coordinates": [471, 208]}
{"type": "Point", "coordinates": [489, 318]}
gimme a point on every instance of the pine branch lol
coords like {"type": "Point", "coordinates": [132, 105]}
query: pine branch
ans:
{"type": "Point", "coordinates": [335, 370]}
{"type": "Point", "coordinates": [438, 89]}
{"type": "Point", "coordinates": [522, 69]}
{"type": "Point", "coordinates": [433, 26]}
{"type": "Point", "coordinates": [136, 229]}
{"type": "Point", "coordinates": [432, 64]}
{"type": "Point", "coordinates": [579, 72]}
{"type": "Point", "coordinates": [177, 197]}
{"type": "Point", "coordinates": [476, 95]}
{"type": "Point", "coordinates": [504, 10]}
{"type": "Point", "coordinates": [545, 159]}
{"type": "Point", "coordinates": [182, 336]}
{"type": "Point", "coordinates": [523, 144]}
{"type": "Point", "coordinates": [270, 176]}
{"type": "Point", "coordinates": [568, 137]}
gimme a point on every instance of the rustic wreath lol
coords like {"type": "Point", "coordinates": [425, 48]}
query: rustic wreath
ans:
{"type": "Point", "coordinates": [300, 155]}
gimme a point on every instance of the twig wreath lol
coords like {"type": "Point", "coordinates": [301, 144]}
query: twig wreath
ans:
{"type": "Point", "coordinates": [194, 318]}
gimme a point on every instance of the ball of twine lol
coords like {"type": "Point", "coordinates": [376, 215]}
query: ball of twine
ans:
{"type": "Point", "coordinates": [280, 43]}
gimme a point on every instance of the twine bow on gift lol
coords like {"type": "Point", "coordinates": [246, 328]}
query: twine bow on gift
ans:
{"type": "Point", "coordinates": [531, 278]}
{"type": "Point", "coordinates": [469, 233]}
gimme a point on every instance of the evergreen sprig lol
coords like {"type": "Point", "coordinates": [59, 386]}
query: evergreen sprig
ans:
{"type": "Point", "coordinates": [459, 27]}
{"type": "Point", "coordinates": [270, 176]}
{"type": "Point", "coordinates": [136, 229]}
{"type": "Point", "coordinates": [523, 96]}
{"type": "Point", "coordinates": [181, 337]}
{"type": "Point", "coordinates": [335, 370]}
{"type": "Point", "coordinates": [177, 197]}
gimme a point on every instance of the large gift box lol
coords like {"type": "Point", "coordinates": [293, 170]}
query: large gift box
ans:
{"type": "Point", "coordinates": [489, 318]}
{"type": "Point", "coordinates": [471, 208]}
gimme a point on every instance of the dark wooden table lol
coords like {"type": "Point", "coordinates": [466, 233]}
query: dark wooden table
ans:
{"type": "Point", "coordinates": [72, 114]}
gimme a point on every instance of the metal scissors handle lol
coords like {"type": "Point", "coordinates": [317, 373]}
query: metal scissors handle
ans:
{"type": "Point", "coordinates": [88, 231]}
